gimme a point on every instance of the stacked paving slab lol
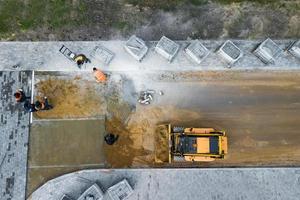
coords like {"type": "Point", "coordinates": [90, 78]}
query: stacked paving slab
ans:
{"type": "Point", "coordinates": [14, 123]}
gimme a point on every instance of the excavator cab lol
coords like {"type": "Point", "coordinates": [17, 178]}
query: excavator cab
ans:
{"type": "Point", "coordinates": [196, 144]}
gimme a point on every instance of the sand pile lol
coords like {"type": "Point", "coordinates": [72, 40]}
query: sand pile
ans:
{"type": "Point", "coordinates": [71, 98]}
{"type": "Point", "coordinates": [142, 141]}
{"type": "Point", "coordinates": [161, 144]}
{"type": "Point", "coordinates": [123, 152]}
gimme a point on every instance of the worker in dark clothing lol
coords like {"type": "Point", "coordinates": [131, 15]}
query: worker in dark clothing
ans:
{"type": "Point", "coordinates": [42, 105]}
{"type": "Point", "coordinates": [80, 59]}
{"type": "Point", "coordinates": [29, 107]}
{"type": "Point", "coordinates": [110, 139]}
{"type": "Point", "coordinates": [20, 96]}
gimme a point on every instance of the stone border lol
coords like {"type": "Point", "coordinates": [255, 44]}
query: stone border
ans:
{"type": "Point", "coordinates": [45, 56]}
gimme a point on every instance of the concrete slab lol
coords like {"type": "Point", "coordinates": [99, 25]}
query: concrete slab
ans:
{"type": "Point", "coordinates": [229, 52]}
{"type": "Point", "coordinates": [136, 47]}
{"type": "Point", "coordinates": [184, 184]}
{"type": "Point", "coordinates": [294, 49]}
{"type": "Point", "coordinates": [94, 193]}
{"type": "Point", "coordinates": [167, 48]}
{"type": "Point", "coordinates": [119, 191]}
{"type": "Point", "coordinates": [65, 197]}
{"type": "Point", "coordinates": [197, 51]}
{"type": "Point", "coordinates": [268, 51]}
{"type": "Point", "coordinates": [102, 54]}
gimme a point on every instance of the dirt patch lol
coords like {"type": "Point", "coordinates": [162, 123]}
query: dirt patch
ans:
{"type": "Point", "coordinates": [123, 152]}
{"type": "Point", "coordinates": [230, 78]}
{"type": "Point", "coordinates": [70, 98]}
{"type": "Point", "coordinates": [248, 142]}
{"type": "Point", "coordinates": [161, 144]}
{"type": "Point", "coordinates": [140, 140]}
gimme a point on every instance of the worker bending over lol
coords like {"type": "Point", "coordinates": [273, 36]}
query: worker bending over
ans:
{"type": "Point", "coordinates": [110, 138]}
{"type": "Point", "coordinates": [99, 75]}
{"type": "Point", "coordinates": [37, 106]}
{"type": "Point", "coordinates": [29, 107]}
{"type": "Point", "coordinates": [42, 105]}
{"type": "Point", "coordinates": [80, 59]}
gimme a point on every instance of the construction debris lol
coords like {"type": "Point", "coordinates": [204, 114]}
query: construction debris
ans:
{"type": "Point", "coordinates": [146, 97]}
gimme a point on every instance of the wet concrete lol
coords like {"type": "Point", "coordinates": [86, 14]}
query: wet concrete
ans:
{"type": "Point", "coordinates": [60, 146]}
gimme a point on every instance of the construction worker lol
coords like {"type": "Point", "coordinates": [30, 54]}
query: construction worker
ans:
{"type": "Point", "coordinates": [80, 59]}
{"type": "Point", "coordinates": [29, 107]}
{"type": "Point", "coordinates": [99, 75]}
{"type": "Point", "coordinates": [42, 105]}
{"type": "Point", "coordinates": [20, 96]}
{"type": "Point", "coordinates": [110, 138]}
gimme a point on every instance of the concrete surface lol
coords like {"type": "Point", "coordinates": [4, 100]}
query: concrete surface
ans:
{"type": "Point", "coordinates": [45, 56]}
{"type": "Point", "coordinates": [183, 184]}
{"type": "Point", "coordinates": [14, 130]}
{"type": "Point", "coordinates": [61, 146]}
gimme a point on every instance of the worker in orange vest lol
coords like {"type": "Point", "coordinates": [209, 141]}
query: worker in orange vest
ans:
{"type": "Point", "coordinates": [99, 75]}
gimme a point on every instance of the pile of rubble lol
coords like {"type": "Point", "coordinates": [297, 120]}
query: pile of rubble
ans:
{"type": "Point", "coordinates": [147, 96]}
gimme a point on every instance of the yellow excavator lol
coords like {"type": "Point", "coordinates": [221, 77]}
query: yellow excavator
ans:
{"type": "Point", "coordinates": [194, 144]}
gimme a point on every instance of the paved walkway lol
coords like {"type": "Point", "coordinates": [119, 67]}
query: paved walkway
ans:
{"type": "Point", "coordinates": [14, 123]}
{"type": "Point", "coordinates": [183, 184]}
{"type": "Point", "coordinates": [45, 56]}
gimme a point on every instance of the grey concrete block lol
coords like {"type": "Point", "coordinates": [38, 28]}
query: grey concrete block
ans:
{"type": "Point", "coordinates": [196, 51]}
{"type": "Point", "coordinates": [268, 51]}
{"type": "Point", "coordinates": [167, 48]}
{"type": "Point", "coordinates": [136, 47]}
